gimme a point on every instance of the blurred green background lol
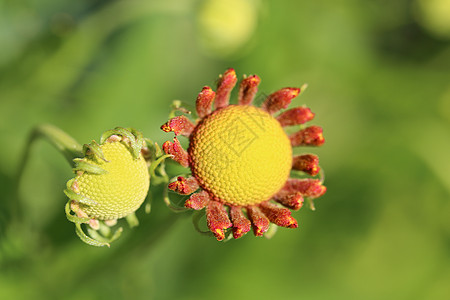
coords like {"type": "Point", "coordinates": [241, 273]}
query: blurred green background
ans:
{"type": "Point", "coordinates": [379, 82]}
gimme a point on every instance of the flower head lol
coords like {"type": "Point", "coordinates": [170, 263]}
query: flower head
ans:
{"type": "Point", "coordinates": [241, 158]}
{"type": "Point", "coordinates": [111, 182]}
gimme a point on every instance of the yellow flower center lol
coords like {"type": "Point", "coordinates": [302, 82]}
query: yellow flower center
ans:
{"type": "Point", "coordinates": [121, 190]}
{"type": "Point", "coordinates": [240, 155]}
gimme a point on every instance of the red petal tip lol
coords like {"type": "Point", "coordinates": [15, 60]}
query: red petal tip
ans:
{"type": "Point", "coordinates": [179, 125]}
{"type": "Point", "coordinates": [179, 154]}
{"type": "Point", "coordinates": [184, 186]}
{"type": "Point", "coordinates": [197, 201]}
{"type": "Point", "coordinates": [204, 101]}
{"type": "Point", "coordinates": [307, 163]}
{"type": "Point", "coordinates": [217, 219]}
{"type": "Point", "coordinates": [295, 116]}
{"type": "Point", "coordinates": [280, 99]}
{"type": "Point", "coordinates": [278, 215]}
{"type": "Point", "coordinates": [241, 225]}
{"type": "Point", "coordinates": [226, 83]}
{"type": "Point", "coordinates": [248, 89]}
{"type": "Point", "coordinates": [259, 221]}
{"type": "Point", "coordinates": [310, 136]}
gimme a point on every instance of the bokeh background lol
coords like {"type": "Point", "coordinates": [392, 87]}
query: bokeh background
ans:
{"type": "Point", "coordinates": [379, 82]}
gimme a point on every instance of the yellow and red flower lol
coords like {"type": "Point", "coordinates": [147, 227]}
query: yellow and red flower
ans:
{"type": "Point", "coordinates": [241, 158]}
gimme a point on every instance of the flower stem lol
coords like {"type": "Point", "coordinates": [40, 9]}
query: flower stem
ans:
{"type": "Point", "coordinates": [67, 145]}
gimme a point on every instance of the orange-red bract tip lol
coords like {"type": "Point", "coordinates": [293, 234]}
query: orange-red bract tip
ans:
{"type": "Point", "coordinates": [217, 219]}
{"type": "Point", "coordinates": [248, 89]}
{"type": "Point", "coordinates": [293, 201]}
{"type": "Point", "coordinates": [204, 101]}
{"type": "Point", "coordinates": [310, 136]}
{"type": "Point", "coordinates": [307, 163]}
{"type": "Point", "coordinates": [184, 186]}
{"type": "Point", "coordinates": [241, 225]}
{"type": "Point", "coordinates": [226, 83]}
{"type": "Point", "coordinates": [278, 215]}
{"type": "Point", "coordinates": [179, 125]}
{"type": "Point", "coordinates": [295, 116]}
{"type": "Point", "coordinates": [280, 99]}
{"type": "Point", "coordinates": [219, 234]}
{"type": "Point", "coordinates": [197, 200]}
{"type": "Point", "coordinates": [179, 154]}
{"type": "Point", "coordinates": [260, 222]}
{"type": "Point", "coordinates": [308, 187]}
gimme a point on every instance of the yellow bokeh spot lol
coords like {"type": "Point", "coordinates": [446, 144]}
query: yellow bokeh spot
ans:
{"type": "Point", "coordinates": [240, 155]}
{"type": "Point", "coordinates": [225, 26]}
{"type": "Point", "coordinates": [121, 190]}
{"type": "Point", "coordinates": [434, 16]}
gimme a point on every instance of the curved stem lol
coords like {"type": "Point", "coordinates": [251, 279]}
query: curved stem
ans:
{"type": "Point", "coordinates": [63, 142]}
{"type": "Point", "coordinates": [66, 144]}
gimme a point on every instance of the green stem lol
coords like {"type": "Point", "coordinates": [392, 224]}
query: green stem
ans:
{"type": "Point", "coordinates": [67, 145]}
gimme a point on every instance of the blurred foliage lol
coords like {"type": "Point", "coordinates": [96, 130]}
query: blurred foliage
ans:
{"type": "Point", "coordinates": [379, 84]}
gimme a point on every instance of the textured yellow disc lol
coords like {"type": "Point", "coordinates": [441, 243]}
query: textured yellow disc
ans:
{"type": "Point", "coordinates": [240, 155]}
{"type": "Point", "coordinates": [121, 190]}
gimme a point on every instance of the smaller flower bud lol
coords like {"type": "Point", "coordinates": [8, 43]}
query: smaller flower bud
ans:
{"type": "Point", "coordinates": [111, 182]}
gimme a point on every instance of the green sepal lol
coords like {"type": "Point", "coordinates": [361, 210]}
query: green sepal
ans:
{"type": "Point", "coordinates": [228, 236]}
{"type": "Point", "coordinates": [311, 205]}
{"type": "Point", "coordinates": [148, 207]}
{"type": "Point", "coordinates": [78, 197]}
{"type": "Point", "coordinates": [73, 218]}
{"type": "Point", "coordinates": [152, 149]}
{"type": "Point", "coordinates": [102, 237]}
{"type": "Point", "coordinates": [179, 106]}
{"type": "Point", "coordinates": [135, 137]}
{"type": "Point", "coordinates": [156, 160]}
{"type": "Point", "coordinates": [196, 217]}
{"type": "Point", "coordinates": [103, 229]}
{"type": "Point", "coordinates": [172, 206]}
{"type": "Point", "coordinates": [271, 231]}
{"type": "Point", "coordinates": [94, 238]}
{"type": "Point", "coordinates": [132, 220]}
{"type": "Point", "coordinates": [132, 134]}
{"type": "Point", "coordinates": [88, 240]}
{"type": "Point", "coordinates": [157, 167]}
{"type": "Point", "coordinates": [106, 135]}
{"type": "Point", "coordinates": [138, 142]}
{"type": "Point", "coordinates": [156, 163]}
{"type": "Point", "coordinates": [80, 164]}
{"type": "Point", "coordinates": [69, 183]}
{"type": "Point", "coordinates": [95, 149]}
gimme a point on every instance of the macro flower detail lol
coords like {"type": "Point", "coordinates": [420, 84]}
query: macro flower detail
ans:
{"type": "Point", "coordinates": [111, 182]}
{"type": "Point", "coordinates": [241, 159]}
